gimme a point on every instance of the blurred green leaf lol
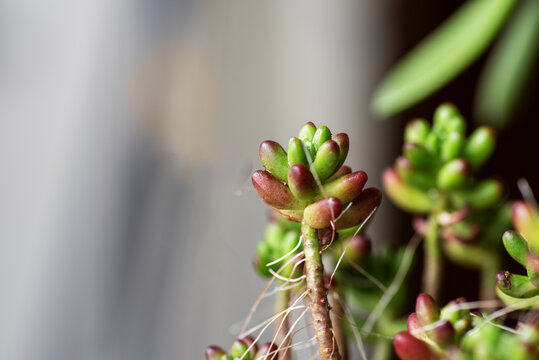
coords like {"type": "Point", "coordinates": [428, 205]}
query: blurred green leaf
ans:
{"type": "Point", "coordinates": [445, 53]}
{"type": "Point", "coordinates": [508, 67]}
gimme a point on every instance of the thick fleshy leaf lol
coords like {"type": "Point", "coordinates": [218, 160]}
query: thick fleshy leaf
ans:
{"type": "Point", "coordinates": [239, 348]}
{"type": "Point", "coordinates": [296, 153]}
{"type": "Point", "coordinates": [413, 324]}
{"type": "Point", "coordinates": [407, 197]}
{"type": "Point", "coordinates": [214, 352]}
{"type": "Point", "coordinates": [416, 131]}
{"type": "Point", "coordinates": [320, 214]}
{"type": "Point", "coordinates": [361, 208]}
{"type": "Point", "coordinates": [452, 146]}
{"type": "Point", "coordinates": [444, 54]}
{"type": "Point", "coordinates": [444, 334]}
{"type": "Point", "coordinates": [515, 246]}
{"type": "Point", "coordinates": [268, 349]}
{"type": "Point", "coordinates": [321, 135]}
{"type": "Point", "coordinates": [343, 170]}
{"type": "Point", "coordinates": [480, 146]}
{"type": "Point", "coordinates": [326, 160]}
{"type": "Point", "coordinates": [408, 347]}
{"type": "Point", "coordinates": [273, 191]}
{"type": "Point", "coordinates": [427, 309]}
{"type": "Point", "coordinates": [274, 159]}
{"type": "Point", "coordinates": [453, 174]}
{"type": "Point", "coordinates": [417, 154]}
{"type": "Point", "coordinates": [347, 187]}
{"type": "Point", "coordinates": [483, 195]}
{"type": "Point", "coordinates": [306, 133]}
{"type": "Point", "coordinates": [359, 246]}
{"type": "Point", "coordinates": [344, 143]}
{"type": "Point", "coordinates": [516, 285]}
{"type": "Point", "coordinates": [301, 181]}
{"type": "Point", "coordinates": [526, 221]}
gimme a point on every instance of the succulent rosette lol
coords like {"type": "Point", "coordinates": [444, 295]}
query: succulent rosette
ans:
{"type": "Point", "coordinates": [309, 183]}
{"type": "Point", "coordinates": [436, 170]}
{"type": "Point", "coordinates": [281, 238]}
{"type": "Point", "coordinates": [458, 334]}
{"type": "Point", "coordinates": [523, 246]}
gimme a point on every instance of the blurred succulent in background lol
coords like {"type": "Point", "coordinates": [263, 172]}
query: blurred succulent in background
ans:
{"type": "Point", "coordinates": [435, 177]}
{"type": "Point", "coordinates": [523, 246]}
{"type": "Point", "coordinates": [282, 237]}
{"type": "Point", "coordinates": [456, 333]}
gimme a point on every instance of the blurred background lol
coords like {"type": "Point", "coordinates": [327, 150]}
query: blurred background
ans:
{"type": "Point", "coordinates": [129, 132]}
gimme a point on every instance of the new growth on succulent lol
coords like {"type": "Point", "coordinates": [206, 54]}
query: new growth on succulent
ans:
{"type": "Point", "coordinates": [435, 180]}
{"type": "Point", "coordinates": [523, 246]}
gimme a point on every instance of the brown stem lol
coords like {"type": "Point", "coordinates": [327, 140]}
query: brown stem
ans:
{"type": "Point", "coordinates": [337, 314]}
{"type": "Point", "coordinates": [314, 270]}
{"type": "Point", "coordinates": [281, 304]}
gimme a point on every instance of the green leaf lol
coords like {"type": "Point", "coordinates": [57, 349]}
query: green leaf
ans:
{"type": "Point", "coordinates": [508, 67]}
{"type": "Point", "coordinates": [444, 54]}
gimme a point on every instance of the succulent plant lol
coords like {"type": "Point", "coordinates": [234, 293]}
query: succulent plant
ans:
{"type": "Point", "coordinates": [310, 183]}
{"type": "Point", "coordinates": [244, 348]}
{"type": "Point", "coordinates": [523, 246]}
{"type": "Point", "coordinates": [455, 333]}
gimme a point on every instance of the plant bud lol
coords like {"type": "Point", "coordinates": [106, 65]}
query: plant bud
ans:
{"type": "Point", "coordinates": [267, 349]}
{"type": "Point", "coordinates": [417, 155]}
{"type": "Point", "coordinates": [319, 214]}
{"type": "Point", "coordinates": [480, 146]}
{"type": "Point", "coordinates": [453, 174]}
{"type": "Point", "coordinates": [301, 182]}
{"type": "Point", "coordinates": [296, 153]}
{"type": "Point", "coordinates": [214, 353]}
{"type": "Point", "coordinates": [416, 131]}
{"type": "Point", "coordinates": [347, 187]}
{"type": "Point", "coordinates": [359, 246]}
{"type": "Point", "coordinates": [426, 309]}
{"type": "Point", "coordinates": [239, 348]}
{"type": "Point", "coordinates": [342, 140]}
{"type": "Point", "coordinates": [367, 202]}
{"type": "Point", "coordinates": [326, 160]}
{"type": "Point", "coordinates": [516, 246]}
{"type": "Point", "coordinates": [407, 197]}
{"type": "Point", "coordinates": [321, 135]}
{"type": "Point", "coordinates": [274, 192]}
{"type": "Point", "coordinates": [452, 146]}
{"type": "Point", "coordinates": [274, 159]}
{"type": "Point", "coordinates": [526, 221]}
{"type": "Point", "coordinates": [343, 170]}
{"type": "Point", "coordinates": [444, 334]}
{"type": "Point", "coordinates": [306, 133]}
{"type": "Point", "coordinates": [408, 347]}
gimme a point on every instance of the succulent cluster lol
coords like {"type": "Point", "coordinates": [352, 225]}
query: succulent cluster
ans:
{"type": "Point", "coordinates": [281, 238]}
{"type": "Point", "coordinates": [523, 246]}
{"type": "Point", "coordinates": [436, 171]}
{"type": "Point", "coordinates": [458, 334]}
{"type": "Point", "coordinates": [310, 183]}
{"type": "Point", "coordinates": [244, 348]}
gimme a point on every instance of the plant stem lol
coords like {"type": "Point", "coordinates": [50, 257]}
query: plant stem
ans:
{"type": "Point", "coordinates": [314, 270]}
{"type": "Point", "coordinates": [432, 270]}
{"type": "Point", "coordinates": [337, 314]}
{"type": "Point", "coordinates": [488, 277]}
{"type": "Point", "coordinates": [281, 304]}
